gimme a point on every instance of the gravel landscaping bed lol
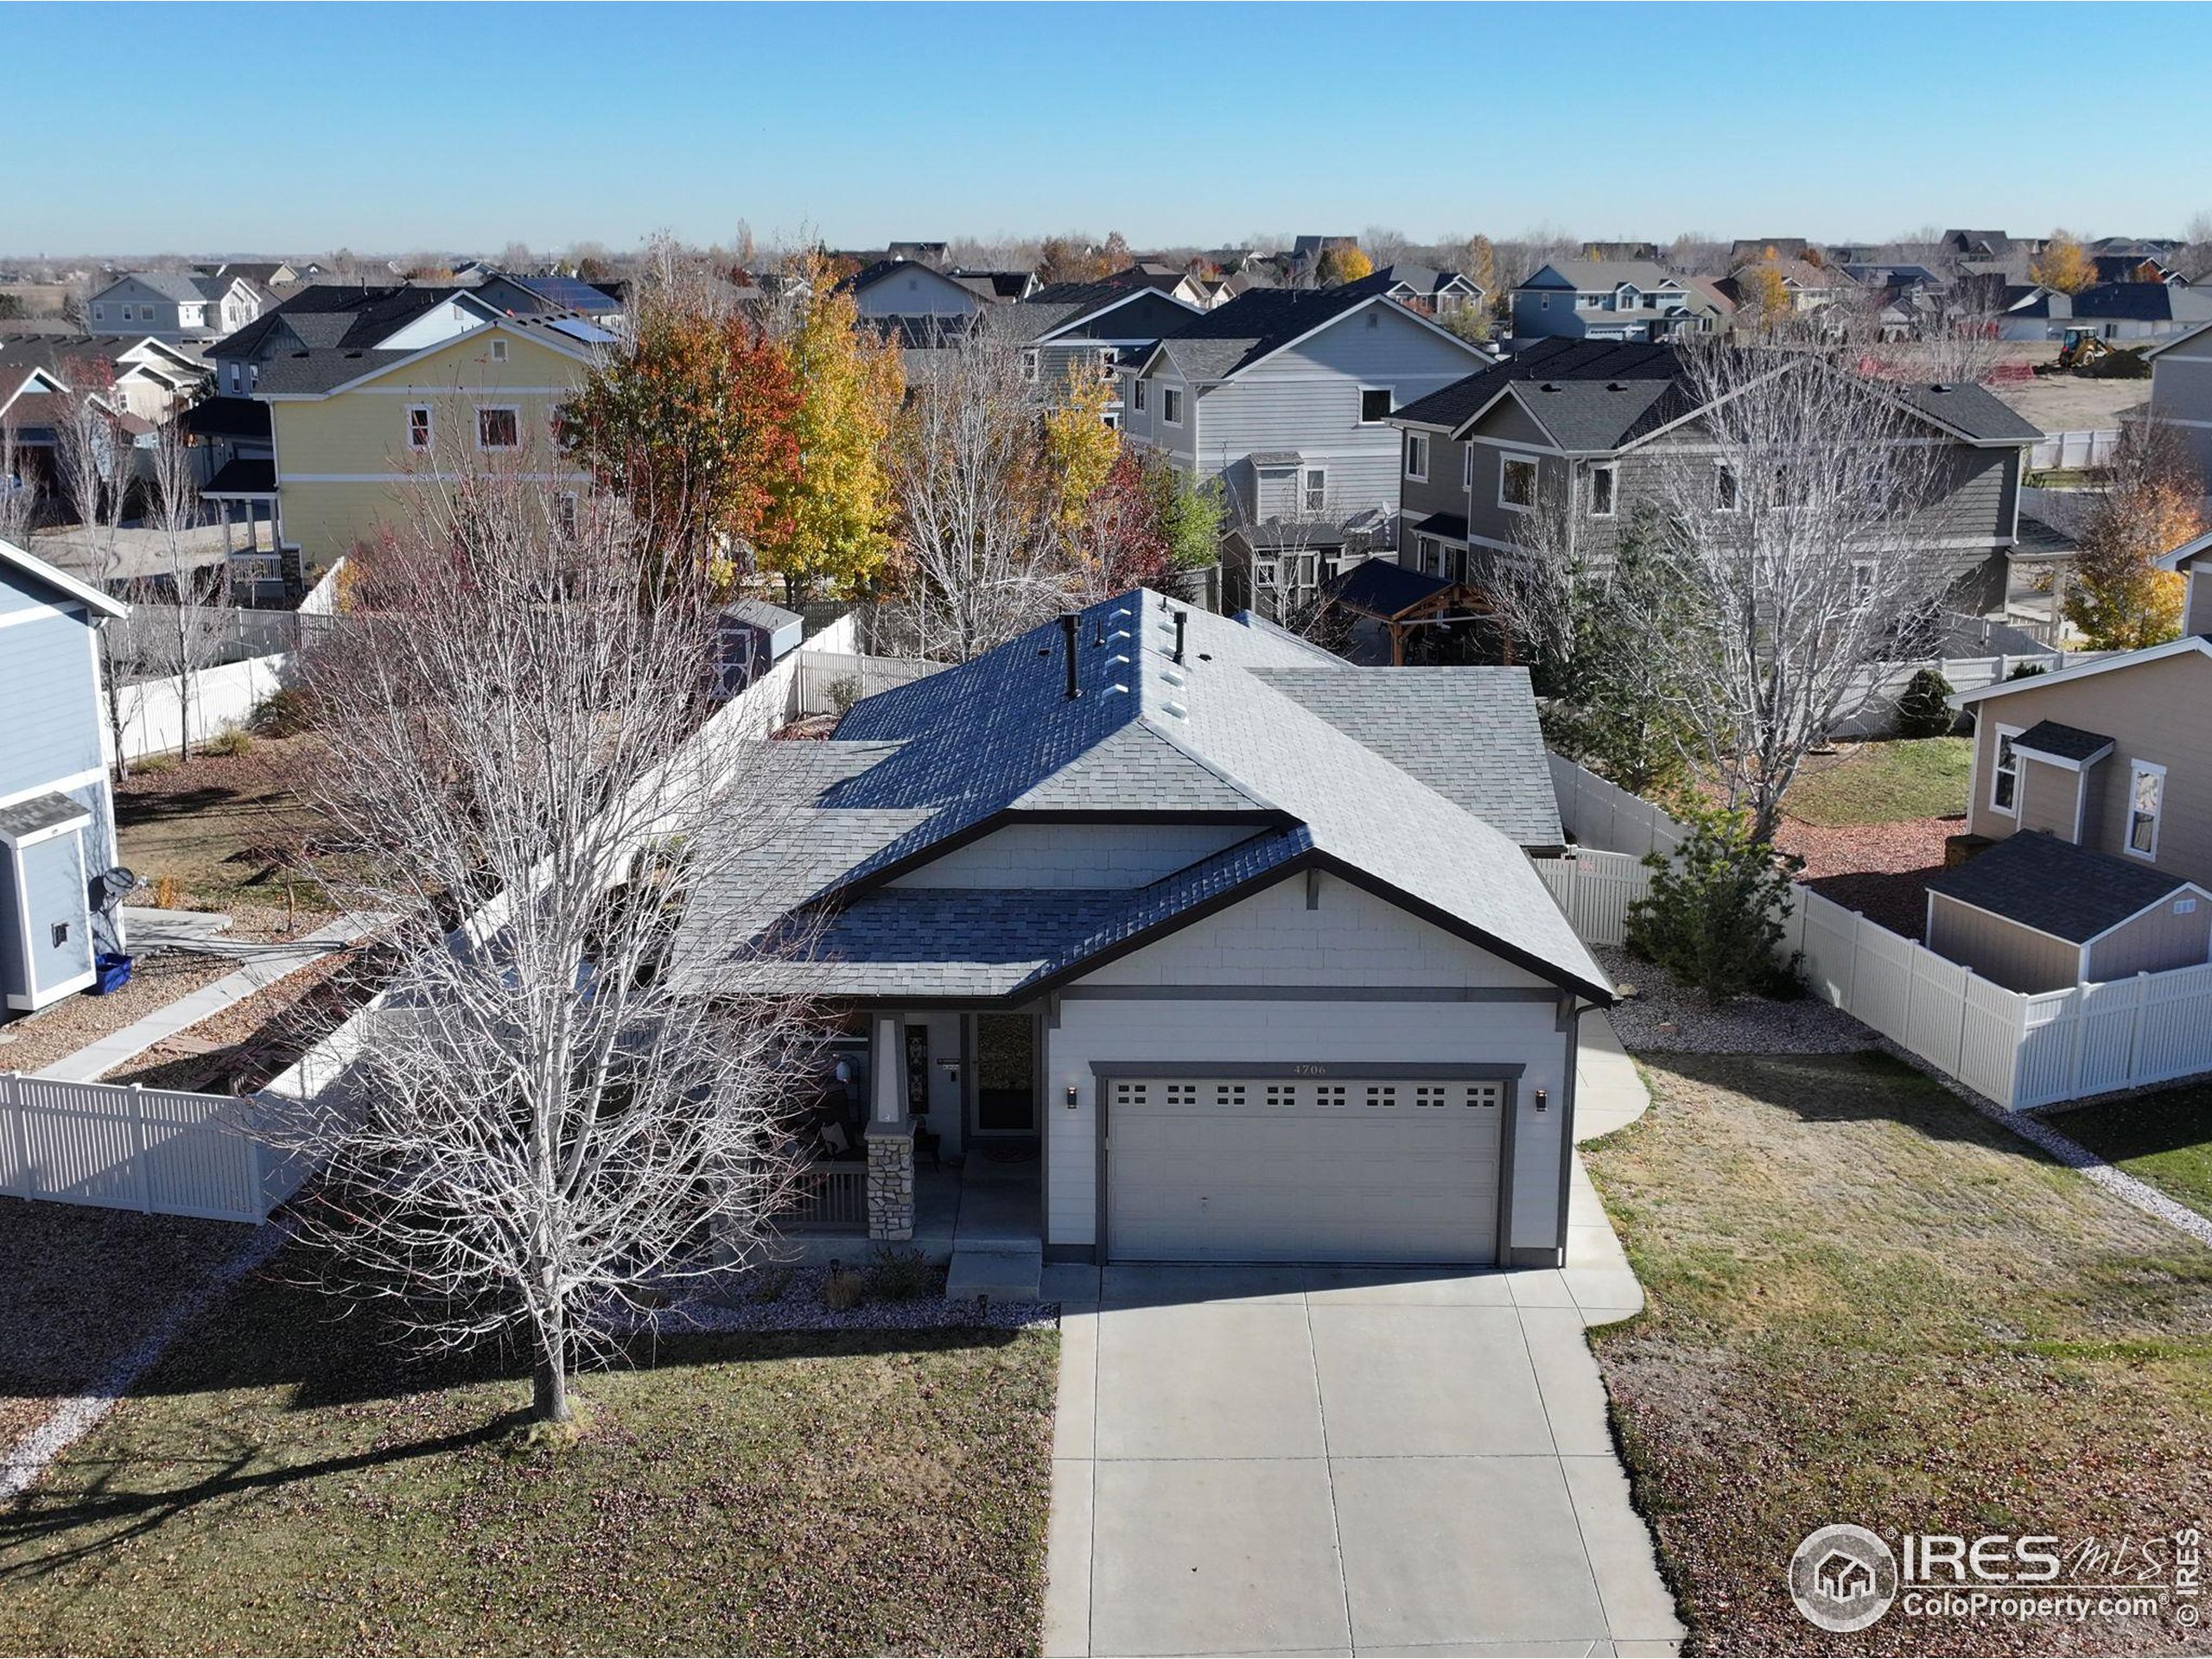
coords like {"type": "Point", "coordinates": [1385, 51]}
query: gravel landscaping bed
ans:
{"type": "Point", "coordinates": [775, 1299]}
{"type": "Point", "coordinates": [35, 1042]}
{"type": "Point", "coordinates": [1664, 1014]}
{"type": "Point", "coordinates": [83, 1287]}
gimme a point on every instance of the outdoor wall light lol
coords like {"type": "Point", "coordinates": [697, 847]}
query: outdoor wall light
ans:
{"type": "Point", "coordinates": [1542, 1100]}
{"type": "Point", "coordinates": [1072, 1097]}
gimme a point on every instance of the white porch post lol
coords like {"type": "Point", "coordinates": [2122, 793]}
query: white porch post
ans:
{"type": "Point", "coordinates": [890, 1134]}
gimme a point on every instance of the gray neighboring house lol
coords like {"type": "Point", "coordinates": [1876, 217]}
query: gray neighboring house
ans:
{"type": "Point", "coordinates": [1221, 947]}
{"type": "Point", "coordinates": [1578, 427]}
{"type": "Point", "coordinates": [1067, 324]}
{"type": "Point", "coordinates": [2118, 311]}
{"type": "Point", "coordinates": [1433, 293]}
{"type": "Point", "coordinates": [1608, 299]}
{"type": "Point", "coordinates": [2181, 394]}
{"type": "Point", "coordinates": [907, 288]}
{"type": "Point", "coordinates": [174, 306]}
{"type": "Point", "coordinates": [57, 813]}
{"type": "Point", "coordinates": [1286, 394]}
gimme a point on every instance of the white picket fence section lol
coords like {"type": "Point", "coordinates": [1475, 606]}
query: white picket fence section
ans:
{"type": "Point", "coordinates": [2093, 447]}
{"type": "Point", "coordinates": [824, 676]}
{"type": "Point", "coordinates": [2021, 1050]}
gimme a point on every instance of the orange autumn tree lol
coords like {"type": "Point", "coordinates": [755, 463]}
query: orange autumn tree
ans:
{"type": "Point", "coordinates": [2147, 506]}
{"type": "Point", "coordinates": [2064, 265]}
{"type": "Point", "coordinates": [692, 423]}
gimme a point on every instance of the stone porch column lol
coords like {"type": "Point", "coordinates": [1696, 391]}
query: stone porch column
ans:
{"type": "Point", "coordinates": [890, 1134]}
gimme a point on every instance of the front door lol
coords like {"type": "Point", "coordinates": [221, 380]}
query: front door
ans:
{"type": "Point", "coordinates": [1005, 1074]}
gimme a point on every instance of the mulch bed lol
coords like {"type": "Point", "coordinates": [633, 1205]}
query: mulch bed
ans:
{"type": "Point", "coordinates": [83, 1287]}
{"type": "Point", "coordinates": [38, 1040]}
{"type": "Point", "coordinates": [257, 1037]}
{"type": "Point", "coordinates": [1880, 870]}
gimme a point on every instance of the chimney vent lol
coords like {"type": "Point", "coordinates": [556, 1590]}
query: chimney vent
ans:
{"type": "Point", "coordinates": [1181, 617]}
{"type": "Point", "coordinates": [1069, 621]}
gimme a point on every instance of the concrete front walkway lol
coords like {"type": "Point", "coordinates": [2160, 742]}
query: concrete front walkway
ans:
{"type": "Point", "coordinates": [1339, 1460]}
{"type": "Point", "coordinates": [261, 966]}
{"type": "Point", "coordinates": [1609, 1094]}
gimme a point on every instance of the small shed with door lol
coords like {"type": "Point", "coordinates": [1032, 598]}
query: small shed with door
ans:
{"type": "Point", "coordinates": [753, 636]}
{"type": "Point", "coordinates": [2034, 913]}
{"type": "Point", "coordinates": [57, 817]}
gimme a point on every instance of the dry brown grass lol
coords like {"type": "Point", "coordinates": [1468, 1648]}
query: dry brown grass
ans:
{"type": "Point", "coordinates": [1870, 1304]}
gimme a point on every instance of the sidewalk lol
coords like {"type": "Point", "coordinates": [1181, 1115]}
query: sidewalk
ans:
{"type": "Point", "coordinates": [1609, 1092]}
{"type": "Point", "coordinates": [263, 966]}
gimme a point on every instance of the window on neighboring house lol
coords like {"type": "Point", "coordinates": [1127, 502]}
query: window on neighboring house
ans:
{"type": "Point", "coordinates": [252, 376]}
{"type": "Point", "coordinates": [498, 351]}
{"type": "Point", "coordinates": [1863, 572]}
{"type": "Point", "coordinates": [2146, 796]}
{"type": "Point", "coordinates": [1543, 301]}
{"type": "Point", "coordinates": [2005, 775]}
{"type": "Point", "coordinates": [418, 427]}
{"type": "Point", "coordinates": [99, 314]}
{"type": "Point", "coordinates": [1727, 496]}
{"type": "Point", "coordinates": [1265, 572]}
{"type": "Point", "coordinates": [1417, 456]}
{"type": "Point", "coordinates": [564, 511]}
{"type": "Point", "coordinates": [1516, 483]}
{"type": "Point", "coordinates": [1171, 405]}
{"type": "Point", "coordinates": [1467, 467]}
{"type": "Point", "coordinates": [1374, 404]}
{"type": "Point", "coordinates": [1432, 555]}
{"type": "Point", "coordinates": [1601, 492]}
{"type": "Point", "coordinates": [499, 429]}
{"type": "Point", "coordinates": [1136, 394]}
{"type": "Point", "coordinates": [1029, 366]}
{"type": "Point", "coordinates": [1456, 563]}
{"type": "Point", "coordinates": [1317, 490]}
{"type": "Point", "coordinates": [237, 379]}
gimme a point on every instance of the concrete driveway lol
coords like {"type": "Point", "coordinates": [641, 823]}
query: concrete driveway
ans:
{"type": "Point", "coordinates": [1278, 1460]}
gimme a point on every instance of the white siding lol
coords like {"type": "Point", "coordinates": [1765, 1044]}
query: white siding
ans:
{"type": "Point", "coordinates": [1076, 855]}
{"type": "Point", "coordinates": [1353, 940]}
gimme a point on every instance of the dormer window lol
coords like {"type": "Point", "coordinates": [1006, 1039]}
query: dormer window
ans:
{"type": "Point", "coordinates": [1629, 298]}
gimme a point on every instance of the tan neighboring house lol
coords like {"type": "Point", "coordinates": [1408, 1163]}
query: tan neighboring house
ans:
{"type": "Point", "coordinates": [2090, 816]}
{"type": "Point", "coordinates": [353, 431]}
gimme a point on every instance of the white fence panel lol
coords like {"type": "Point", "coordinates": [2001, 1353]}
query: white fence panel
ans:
{"type": "Point", "coordinates": [153, 721]}
{"type": "Point", "coordinates": [2072, 450]}
{"type": "Point", "coordinates": [1829, 937]}
{"type": "Point", "coordinates": [2174, 1037]}
{"type": "Point", "coordinates": [1989, 1038]}
{"type": "Point", "coordinates": [824, 674]}
{"type": "Point", "coordinates": [1595, 890]}
{"type": "Point", "coordinates": [1935, 1006]}
{"type": "Point", "coordinates": [118, 1148]}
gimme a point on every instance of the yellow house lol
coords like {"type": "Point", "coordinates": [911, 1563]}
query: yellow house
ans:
{"type": "Point", "coordinates": [355, 432]}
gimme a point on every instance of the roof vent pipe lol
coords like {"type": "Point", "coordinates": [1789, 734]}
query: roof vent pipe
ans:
{"type": "Point", "coordinates": [1068, 622]}
{"type": "Point", "coordinates": [1181, 617]}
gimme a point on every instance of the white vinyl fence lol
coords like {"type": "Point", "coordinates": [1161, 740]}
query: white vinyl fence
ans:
{"type": "Point", "coordinates": [2021, 1050]}
{"type": "Point", "coordinates": [826, 677]}
{"type": "Point", "coordinates": [1870, 705]}
{"type": "Point", "coordinates": [2074, 449]}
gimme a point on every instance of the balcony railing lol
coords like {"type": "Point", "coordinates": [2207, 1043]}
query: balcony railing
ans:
{"type": "Point", "coordinates": [828, 1199]}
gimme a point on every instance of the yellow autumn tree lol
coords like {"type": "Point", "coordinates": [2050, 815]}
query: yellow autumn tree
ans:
{"type": "Point", "coordinates": [1080, 448]}
{"type": "Point", "coordinates": [2064, 265]}
{"type": "Point", "coordinates": [1762, 297]}
{"type": "Point", "coordinates": [1339, 266]}
{"type": "Point", "coordinates": [834, 531]}
{"type": "Point", "coordinates": [2148, 506]}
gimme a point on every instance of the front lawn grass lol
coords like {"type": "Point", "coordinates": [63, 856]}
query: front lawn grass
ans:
{"type": "Point", "coordinates": [1870, 1304]}
{"type": "Point", "coordinates": [283, 1484]}
{"type": "Point", "coordinates": [1882, 782]}
{"type": "Point", "coordinates": [2164, 1139]}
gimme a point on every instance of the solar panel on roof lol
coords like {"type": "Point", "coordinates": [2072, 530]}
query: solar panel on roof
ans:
{"type": "Point", "coordinates": [568, 291]}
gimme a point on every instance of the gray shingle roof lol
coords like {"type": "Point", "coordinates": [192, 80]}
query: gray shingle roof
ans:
{"type": "Point", "coordinates": [1216, 344]}
{"type": "Point", "coordinates": [944, 756]}
{"type": "Point", "coordinates": [41, 813]}
{"type": "Point", "coordinates": [2055, 886]}
{"type": "Point", "coordinates": [1589, 394]}
{"type": "Point", "coordinates": [1469, 733]}
{"type": "Point", "coordinates": [2067, 742]}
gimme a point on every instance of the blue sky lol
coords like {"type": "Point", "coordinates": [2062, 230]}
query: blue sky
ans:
{"type": "Point", "coordinates": [397, 128]}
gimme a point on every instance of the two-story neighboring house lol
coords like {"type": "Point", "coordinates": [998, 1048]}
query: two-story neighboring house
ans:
{"type": "Point", "coordinates": [2181, 394]}
{"type": "Point", "coordinates": [367, 398]}
{"type": "Point", "coordinates": [1286, 394]}
{"type": "Point", "coordinates": [1595, 299]}
{"type": "Point", "coordinates": [1433, 293]}
{"type": "Point", "coordinates": [1068, 324]}
{"type": "Point", "coordinates": [907, 288]}
{"type": "Point", "coordinates": [2094, 785]}
{"type": "Point", "coordinates": [1579, 429]}
{"type": "Point", "coordinates": [173, 306]}
{"type": "Point", "coordinates": [57, 814]}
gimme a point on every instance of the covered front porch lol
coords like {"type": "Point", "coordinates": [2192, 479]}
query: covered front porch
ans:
{"type": "Point", "coordinates": [948, 1154]}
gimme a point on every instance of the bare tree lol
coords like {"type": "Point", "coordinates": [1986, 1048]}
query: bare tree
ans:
{"type": "Point", "coordinates": [985, 552]}
{"type": "Point", "coordinates": [1796, 513]}
{"type": "Point", "coordinates": [91, 463]}
{"type": "Point", "coordinates": [186, 636]}
{"type": "Point", "coordinates": [549, 1126]}
{"type": "Point", "coordinates": [19, 487]}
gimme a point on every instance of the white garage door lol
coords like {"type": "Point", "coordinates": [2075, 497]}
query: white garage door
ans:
{"type": "Point", "coordinates": [1274, 1169]}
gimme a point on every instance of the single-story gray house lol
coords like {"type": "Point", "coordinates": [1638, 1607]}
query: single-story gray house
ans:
{"type": "Point", "coordinates": [57, 816]}
{"type": "Point", "coordinates": [1189, 924]}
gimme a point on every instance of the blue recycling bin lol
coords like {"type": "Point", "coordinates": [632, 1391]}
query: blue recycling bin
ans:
{"type": "Point", "coordinates": [110, 972]}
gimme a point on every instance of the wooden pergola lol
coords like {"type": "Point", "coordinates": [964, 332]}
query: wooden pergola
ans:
{"type": "Point", "coordinates": [1404, 600]}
